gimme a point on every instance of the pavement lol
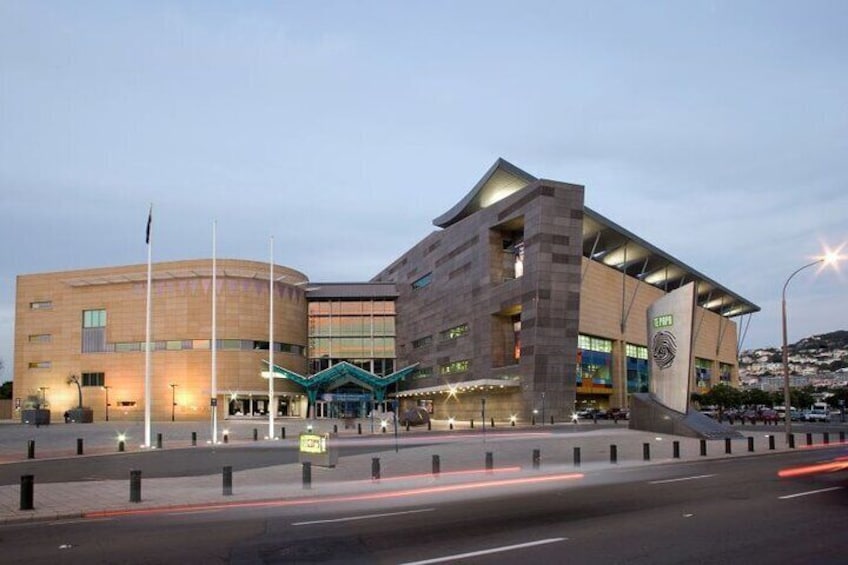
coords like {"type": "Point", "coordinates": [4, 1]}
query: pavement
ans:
{"type": "Point", "coordinates": [405, 461]}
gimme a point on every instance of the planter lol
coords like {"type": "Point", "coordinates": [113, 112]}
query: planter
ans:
{"type": "Point", "coordinates": [36, 416]}
{"type": "Point", "coordinates": [82, 415]}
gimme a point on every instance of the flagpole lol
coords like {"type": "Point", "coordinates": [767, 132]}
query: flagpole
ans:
{"type": "Point", "coordinates": [214, 393]}
{"type": "Point", "coordinates": [271, 405]}
{"type": "Point", "coordinates": [148, 345]}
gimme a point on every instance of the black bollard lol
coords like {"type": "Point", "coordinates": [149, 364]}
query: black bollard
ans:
{"type": "Point", "coordinates": [791, 441]}
{"type": "Point", "coordinates": [437, 465]}
{"type": "Point", "coordinates": [121, 445]}
{"type": "Point", "coordinates": [407, 425]}
{"type": "Point", "coordinates": [227, 481]}
{"type": "Point", "coordinates": [193, 439]}
{"type": "Point", "coordinates": [727, 448]}
{"type": "Point", "coordinates": [809, 439]}
{"type": "Point", "coordinates": [613, 454]}
{"type": "Point", "coordinates": [429, 425]}
{"type": "Point", "coordinates": [472, 424]}
{"type": "Point", "coordinates": [79, 446]}
{"type": "Point", "coordinates": [512, 422]}
{"type": "Point", "coordinates": [307, 475]}
{"type": "Point", "coordinates": [646, 451]}
{"type": "Point", "coordinates": [158, 441]}
{"type": "Point", "coordinates": [826, 438]}
{"type": "Point", "coordinates": [226, 438]}
{"type": "Point", "coordinates": [31, 449]}
{"type": "Point", "coordinates": [135, 486]}
{"type": "Point", "coordinates": [256, 433]}
{"type": "Point", "coordinates": [490, 463]}
{"type": "Point", "coordinates": [450, 424]}
{"type": "Point", "coordinates": [493, 422]}
{"type": "Point", "coordinates": [359, 428]}
{"type": "Point", "coordinates": [283, 432]}
{"type": "Point", "coordinates": [537, 456]}
{"type": "Point", "coordinates": [552, 420]}
{"type": "Point", "coordinates": [703, 448]}
{"type": "Point", "coordinates": [576, 456]}
{"type": "Point", "coordinates": [375, 468]}
{"type": "Point", "coordinates": [533, 421]}
{"type": "Point", "coordinates": [675, 449]}
{"type": "Point", "coordinates": [27, 498]}
{"type": "Point", "coordinates": [750, 444]}
{"type": "Point", "coordinates": [771, 442]}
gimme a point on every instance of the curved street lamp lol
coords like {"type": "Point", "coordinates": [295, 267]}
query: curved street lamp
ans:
{"type": "Point", "coordinates": [830, 258]}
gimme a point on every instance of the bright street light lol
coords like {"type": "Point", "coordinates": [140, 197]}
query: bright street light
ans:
{"type": "Point", "coordinates": [830, 258]}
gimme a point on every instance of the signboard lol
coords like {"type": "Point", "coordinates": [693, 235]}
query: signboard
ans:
{"type": "Point", "coordinates": [670, 324]}
{"type": "Point", "coordinates": [317, 449]}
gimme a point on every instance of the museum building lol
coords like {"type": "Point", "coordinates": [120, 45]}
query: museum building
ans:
{"type": "Point", "coordinates": [523, 304]}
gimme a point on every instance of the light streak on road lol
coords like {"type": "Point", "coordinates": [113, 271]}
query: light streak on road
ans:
{"type": "Point", "coordinates": [808, 493]}
{"type": "Point", "coordinates": [515, 469]}
{"type": "Point", "coordinates": [486, 551]}
{"type": "Point", "coordinates": [838, 464]}
{"type": "Point", "coordinates": [692, 478]}
{"type": "Point", "coordinates": [362, 517]}
{"type": "Point", "coordinates": [311, 501]}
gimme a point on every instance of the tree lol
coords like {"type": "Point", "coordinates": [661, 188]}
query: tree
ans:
{"type": "Point", "coordinates": [723, 396]}
{"type": "Point", "coordinates": [756, 397]}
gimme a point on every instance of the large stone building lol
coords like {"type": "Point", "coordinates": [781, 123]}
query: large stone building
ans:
{"type": "Point", "coordinates": [524, 303]}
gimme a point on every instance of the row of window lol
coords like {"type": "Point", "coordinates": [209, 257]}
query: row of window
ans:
{"type": "Point", "coordinates": [351, 326]}
{"type": "Point", "coordinates": [446, 335]}
{"type": "Point", "coordinates": [205, 344]}
{"type": "Point", "coordinates": [351, 347]}
{"type": "Point", "coordinates": [352, 308]}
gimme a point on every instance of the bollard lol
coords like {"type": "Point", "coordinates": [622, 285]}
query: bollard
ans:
{"type": "Point", "coordinates": [429, 425]}
{"type": "Point", "coordinates": [809, 439]}
{"type": "Point", "coordinates": [552, 420]}
{"type": "Point", "coordinates": [512, 422]}
{"type": "Point", "coordinates": [375, 468]}
{"type": "Point", "coordinates": [791, 441]}
{"type": "Point", "coordinates": [533, 421]}
{"type": "Point", "coordinates": [359, 428]}
{"type": "Point", "coordinates": [490, 464]}
{"type": "Point", "coordinates": [613, 454]}
{"type": "Point", "coordinates": [31, 449]}
{"type": "Point", "coordinates": [79, 446]}
{"type": "Point", "coordinates": [826, 438]}
{"type": "Point", "coordinates": [407, 425]}
{"type": "Point", "coordinates": [450, 424]}
{"type": "Point", "coordinates": [576, 456]}
{"type": "Point", "coordinates": [703, 448]}
{"type": "Point", "coordinates": [27, 482]}
{"type": "Point", "coordinates": [537, 456]}
{"type": "Point", "coordinates": [437, 465]}
{"type": "Point", "coordinates": [646, 451]}
{"type": "Point", "coordinates": [750, 444]}
{"type": "Point", "coordinates": [283, 432]}
{"type": "Point", "coordinates": [121, 445]}
{"type": "Point", "coordinates": [771, 442]}
{"type": "Point", "coordinates": [226, 438]}
{"type": "Point", "coordinates": [256, 433]}
{"type": "Point", "coordinates": [158, 441]}
{"type": "Point", "coordinates": [227, 483]}
{"type": "Point", "coordinates": [472, 424]}
{"type": "Point", "coordinates": [727, 448]}
{"type": "Point", "coordinates": [307, 475]}
{"type": "Point", "coordinates": [675, 449]}
{"type": "Point", "coordinates": [193, 439]}
{"type": "Point", "coordinates": [841, 437]}
{"type": "Point", "coordinates": [384, 427]}
{"type": "Point", "coordinates": [493, 422]}
{"type": "Point", "coordinates": [135, 486]}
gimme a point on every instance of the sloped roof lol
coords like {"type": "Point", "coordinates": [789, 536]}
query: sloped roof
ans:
{"type": "Point", "coordinates": [606, 242]}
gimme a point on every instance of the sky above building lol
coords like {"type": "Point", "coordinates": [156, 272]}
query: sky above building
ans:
{"type": "Point", "coordinates": [715, 130]}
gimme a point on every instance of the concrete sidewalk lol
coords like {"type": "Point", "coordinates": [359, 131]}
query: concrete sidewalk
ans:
{"type": "Point", "coordinates": [462, 455]}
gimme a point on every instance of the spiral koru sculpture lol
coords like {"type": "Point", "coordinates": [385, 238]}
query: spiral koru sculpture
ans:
{"type": "Point", "coordinates": [663, 349]}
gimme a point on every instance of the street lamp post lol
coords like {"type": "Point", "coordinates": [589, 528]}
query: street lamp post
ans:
{"type": "Point", "coordinates": [106, 388]}
{"type": "Point", "coordinates": [830, 258]}
{"type": "Point", "coordinates": [173, 398]}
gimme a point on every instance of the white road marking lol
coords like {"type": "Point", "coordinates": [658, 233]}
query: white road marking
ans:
{"type": "Point", "coordinates": [485, 551]}
{"type": "Point", "coordinates": [796, 495]}
{"type": "Point", "coordinates": [363, 517]}
{"type": "Point", "coordinates": [695, 477]}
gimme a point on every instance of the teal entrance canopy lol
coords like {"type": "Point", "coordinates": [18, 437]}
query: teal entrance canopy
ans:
{"type": "Point", "coordinates": [338, 375]}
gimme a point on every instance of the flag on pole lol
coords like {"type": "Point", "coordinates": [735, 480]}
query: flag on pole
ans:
{"type": "Point", "coordinates": [149, 221]}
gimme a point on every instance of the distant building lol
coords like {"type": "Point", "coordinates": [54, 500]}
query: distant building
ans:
{"type": "Point", "coordinates": [524, 304]}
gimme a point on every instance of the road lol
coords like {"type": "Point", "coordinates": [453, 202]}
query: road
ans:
{"type": "Point", "coordinates": [712, 511]}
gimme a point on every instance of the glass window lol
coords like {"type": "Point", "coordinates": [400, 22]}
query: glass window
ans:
{"type": "Point", "coordinates": [594, 368]}
{"type": "Point", "coordinates": [423, 373]}
{"type": "Point", "coordinates": [636, 351]}
{"type": "Point", "coordinates": [94, 318]}
{"type": "Point", "coordinates": [454, 332]}
{"type": "Point", "coordinates": [591, 343]}
{"type": "Point", "coordinates": [725, 372]}
{"type": "Point", "coordinates": [93, 379]}
{"type": "Point", "coordinates": [703, 372]}
{"type": "Point", "coordinates": [41, 338]}
{"type": "Point", "coordinates": [40, 364]}
{"type": "Point", "coordinates": [421, 282]}
{"type": "Point", "coordinates": [41, 305]}
{"type": "Point", "coordinates": [455, 367]}
{"type": "Point", "coordinates": [422, 342]}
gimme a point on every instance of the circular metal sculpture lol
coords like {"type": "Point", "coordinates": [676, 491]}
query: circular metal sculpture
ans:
{"type": "Point", "coordinates": [663, 349]}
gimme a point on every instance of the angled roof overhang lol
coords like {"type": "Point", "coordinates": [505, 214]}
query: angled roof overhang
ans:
{"type": "Point", "coordinates": [339, 374]}
{"type": "Point", "coordinates": [478, 385]}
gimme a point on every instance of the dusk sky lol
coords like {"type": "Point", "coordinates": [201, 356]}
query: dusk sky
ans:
{"type": "Point", "coordinates": [716, 130]}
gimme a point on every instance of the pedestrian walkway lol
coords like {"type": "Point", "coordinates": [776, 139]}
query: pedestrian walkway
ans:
{"type": "Point", "coordinates": [462, 458]}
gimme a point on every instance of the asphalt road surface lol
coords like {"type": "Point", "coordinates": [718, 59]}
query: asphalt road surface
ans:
{"type": "Point", "coordinates": [717, 511]}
